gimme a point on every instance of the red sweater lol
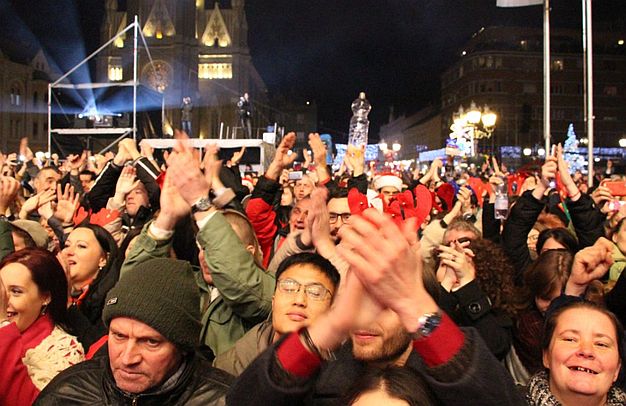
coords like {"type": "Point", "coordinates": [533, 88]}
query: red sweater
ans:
{"type": "Point", "coordinates": [16, 387]}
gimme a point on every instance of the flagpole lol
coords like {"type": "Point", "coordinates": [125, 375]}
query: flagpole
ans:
{"type": "Point", "coordinates": [546, 74]}
{"type": "Point", "coordinates": [588, 54]}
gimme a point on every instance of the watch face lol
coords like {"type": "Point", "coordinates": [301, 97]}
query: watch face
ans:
{"type": "Point", "coordinates": [203, 204]}
{"type": "Point", "coordinates": [157, 75]}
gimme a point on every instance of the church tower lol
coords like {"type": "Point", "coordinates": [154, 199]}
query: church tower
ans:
{"type": "Point", "coordinates": [199, 49]}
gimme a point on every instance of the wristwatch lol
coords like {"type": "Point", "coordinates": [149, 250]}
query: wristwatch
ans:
{"type": "Point", "coordinates": [202, 204]}
{"type": "Point", "coordinates": [427, 324]}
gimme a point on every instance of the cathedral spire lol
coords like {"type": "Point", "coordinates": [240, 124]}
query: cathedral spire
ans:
{"type": "Point", "coordinates": [159, 23]}
{"type": "Point", "coordinates": [216, 31]}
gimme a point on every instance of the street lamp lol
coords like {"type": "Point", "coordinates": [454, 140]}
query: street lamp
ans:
{"type": "Point", "coordinates": [468, 127]}
{"type": "Point", "coordinates": [622, 142]}
{"type": "Point", "coordinates": [396, 147]}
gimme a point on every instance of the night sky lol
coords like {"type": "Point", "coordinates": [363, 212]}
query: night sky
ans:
{"type": "Point", "coordinates": [325, 50]}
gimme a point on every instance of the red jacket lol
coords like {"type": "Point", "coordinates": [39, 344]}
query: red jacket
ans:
{"type": "Point", "coordinates": [16, 387]}
{"type": "Point", "coordinates": [261, 214]}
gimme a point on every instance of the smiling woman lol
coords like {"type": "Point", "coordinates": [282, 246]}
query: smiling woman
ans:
{"type": "Point", "coordinates": [582, 354]}
{"type": "Point", "coordinates": [34, 343]}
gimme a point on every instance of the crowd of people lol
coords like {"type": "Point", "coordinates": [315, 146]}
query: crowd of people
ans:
{"type": "Point", "coordinates": [169, 277]}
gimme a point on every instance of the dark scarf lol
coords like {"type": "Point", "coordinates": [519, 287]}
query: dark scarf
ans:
{"type": "Point", "coordinates": [539, 394]}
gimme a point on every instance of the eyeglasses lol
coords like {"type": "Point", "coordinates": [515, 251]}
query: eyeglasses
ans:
{"type": "Point", "coordinates": [314, 291]}
{"type": "Point", "coordinates": [333, 217]}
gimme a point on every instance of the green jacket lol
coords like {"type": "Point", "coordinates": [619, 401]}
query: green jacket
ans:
{"type": "Point", "coordinates": [246, 349]}
{"type": "Point", "coordinates": [245, 290]}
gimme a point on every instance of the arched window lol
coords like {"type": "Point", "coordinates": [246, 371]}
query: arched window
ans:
{"type": "Point", "coordinates": [35, 99]}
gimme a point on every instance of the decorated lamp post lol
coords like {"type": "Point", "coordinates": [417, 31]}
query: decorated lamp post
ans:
{"type": "Point", "coordinates": [468, 127]}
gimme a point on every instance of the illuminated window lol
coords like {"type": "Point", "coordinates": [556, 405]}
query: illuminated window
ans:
{"type": "Point", "coordinates": [557, 65]}
{"type": "Point", "coordinates": [215, 71]}
{"type": "Point", "coordinates": [115, 70]}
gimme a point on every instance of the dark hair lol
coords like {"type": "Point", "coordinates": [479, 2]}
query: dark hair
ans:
{"type": "Point", "coordinates": [547, 273]}
{"type": "Point", "coordinates": [322, 264]}
{"type": "Point", "coordinates": [494, 274]}
{"type": "Point", "coordinates": [553, 316]}
{"type": "Point", "coordinates": [338, 193]}
{"type": "Point", "coordinates": [397, 382]}
{"type": "Point", "coordinates": [105, 240]}
{"type": "Point", "coordinates": [561, 235]}
{"type": "Point", "coordinates": [87, 172]}
{"type": "Point", "coordinates": [108, 245]}
{"type": "Point", "coordinates": [28, 239]}
{"type": "Point", "coordinates": [49, 168]}
{"type": "Point", "coordinates": [48, 275]}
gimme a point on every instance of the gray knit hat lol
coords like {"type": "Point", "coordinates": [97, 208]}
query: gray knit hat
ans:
{"type": "Point", "coordinates": [163, 294]}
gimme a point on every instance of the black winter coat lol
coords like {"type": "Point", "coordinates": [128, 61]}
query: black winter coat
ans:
{"type": "Point", "coordinates": [92, 383]}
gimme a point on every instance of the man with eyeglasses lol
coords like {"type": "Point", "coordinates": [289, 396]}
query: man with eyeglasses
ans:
{"type": "Point", "coordinates": [305, 288]}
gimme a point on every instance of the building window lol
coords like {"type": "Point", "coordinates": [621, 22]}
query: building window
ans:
{"type": "Point", "coordinates": [610, 91]}
{"type": "Point", "coordinates": [16, 95]}
{"type": "Point", "coordinates": [115, 70]}
{"type": "Point", "coordinates": [529, 88]}
{"type": "Point", "coordinates": [215, 71]}
{"type": "Point", "coordinates": [461, 71]}
{"type": "Point", "coordinates": [498, 62]}
{"type": "Point", "coordinates": [35, 130]}
{"type": "Point", "coordinates": [557, 65]}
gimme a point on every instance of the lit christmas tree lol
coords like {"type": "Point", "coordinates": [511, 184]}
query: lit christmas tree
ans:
{"type": "Point", "coordinates": [573, 158]}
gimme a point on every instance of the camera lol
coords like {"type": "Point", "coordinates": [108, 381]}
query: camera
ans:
{"type": "Point", "coordinates": [295, 175]}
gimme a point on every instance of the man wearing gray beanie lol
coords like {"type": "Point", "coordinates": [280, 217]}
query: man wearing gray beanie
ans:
{"type": "Point", "coordinates": [153, 316]}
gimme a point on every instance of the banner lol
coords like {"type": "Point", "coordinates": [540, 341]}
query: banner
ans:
{"type": "Point", "coordinates": [518, 3]}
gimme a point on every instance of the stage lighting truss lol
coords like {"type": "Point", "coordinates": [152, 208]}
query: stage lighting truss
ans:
{"type": "Point", "coordinates": [103, 121]}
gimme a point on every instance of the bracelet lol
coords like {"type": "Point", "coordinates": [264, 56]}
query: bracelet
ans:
{"type": "Point", "coordinates": [576, 195]}
{"type": "Point", "coordinates": [325, 355]}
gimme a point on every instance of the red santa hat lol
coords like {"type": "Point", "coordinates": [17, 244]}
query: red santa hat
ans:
{"type": "Point", "coordinates": [387, 179]}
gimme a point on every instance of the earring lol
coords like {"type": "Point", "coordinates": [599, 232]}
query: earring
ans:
{"type": "Point", "coordinates": [44, 307]}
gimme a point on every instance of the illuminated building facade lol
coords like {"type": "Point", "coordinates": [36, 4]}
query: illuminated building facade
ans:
{"type": "Point", "coordinates": [199, 49]}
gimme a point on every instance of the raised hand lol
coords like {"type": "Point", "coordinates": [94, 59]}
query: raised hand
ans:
{"type": "Point", "coordinates": [565, 176]}
{"type": "Point", "coordinates": [385, 260]}
{"type": "Point", "coordinates": [146, 150]}
{"type": "Point", "coordinates": [457, 257]}
{"type": "Point", "coordinates": [307, 158]}
{"type": "Point", "coordinates": [126, 182]}
{"type": "Point", "coordinates": [234, 160]}
{"type": "Point", "coordinates": [8, 192]}
{"type": "Point", "coordinates": [600, 196]}
{"type": "Point", "coordinates": [283, 157]}
{"type": "Point", "coordinates": [355, 159]}
{"type": "Point", "coordinates": [75, 162]}
{"type": "Point", "coordinates": [317, 231]}
{"type": "Point", "coordinates": [589, 264]}
{"type": "Point", "coordinates": [185, 173]}
{"type": "Point", "coordinates": [130, 146]}
{"type": "Point", "coordinates": [67, 204]}
{"type": "Point", "coordinates": [319, 149]}
{"type": "Point", "coordinates": [36, 201]}
{"type": "Point", "coordinates": [173, 206]}
{"type": "Point", "coordinates": [548, 174]}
